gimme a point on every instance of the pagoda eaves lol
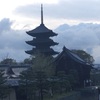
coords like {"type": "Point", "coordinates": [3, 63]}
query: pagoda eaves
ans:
{"type": "Point", "coordinates": [41, 29]}
{"type": "Point", "coordinates": [43, 51]}
{"type": "Point", "coordinates": [48, 42]}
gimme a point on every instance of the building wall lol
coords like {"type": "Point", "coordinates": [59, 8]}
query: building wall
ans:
{"type": "Point", "coordinates": [66, 64]}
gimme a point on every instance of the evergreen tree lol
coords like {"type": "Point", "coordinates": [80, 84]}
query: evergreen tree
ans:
{"type": "Point", "coordinates": [64, 84]}
{"type": "Point", "coordinates": [9, 61]}
{"type": "Point", "coordinates": [53, 85]}
{"type": "Point", "coordinates": [4, 90]}
{"type": "Point", "coordinates": [35, 79]}
{"type": "Point", "coordinates": [27, 84]}
{"type": "Point", "coordinates": [43, 69]}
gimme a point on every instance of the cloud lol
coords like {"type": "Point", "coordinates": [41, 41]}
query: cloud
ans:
{"type": "Point", "coordinates": [64, 9]}
{"type": "Point", "coordinates": [83, 36]}
{"type": "Point", "coordinates": [12, 42]}
{"type": "Point", "coordinates": [5, 25]}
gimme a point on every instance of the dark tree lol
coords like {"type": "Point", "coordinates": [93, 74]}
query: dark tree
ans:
{"type": "Point", "coordinates": [44, 64]}
{"type": "Point", "coordinates": [41, 83]}
{"type": "Point", "coordinates": [64, 83]}
{"type": "Point", "coordinates": [43, 69]}
{"type": "Point", "coordinates": [8, 61]}
{"type": "Point", "coordinates": [27, 84]}
{"type": "Point", "coordinates": [4, 90]}
{"type": "Point", "coordinates": [35, 79]}
{"type": "Point", "coordinates": [28, 61]}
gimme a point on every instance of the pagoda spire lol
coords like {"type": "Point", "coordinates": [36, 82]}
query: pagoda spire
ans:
{"type": "Point", "coordinates": [41, 14]}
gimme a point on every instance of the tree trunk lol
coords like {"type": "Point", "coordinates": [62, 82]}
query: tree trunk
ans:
{"type": "Point", "coordinates": [41, 93]}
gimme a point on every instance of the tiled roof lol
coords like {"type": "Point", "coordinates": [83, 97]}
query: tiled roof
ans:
{"type": "Point", "coordinates": [41, 29]}
{"type": "Point", "coordinates": [12, 82]}
{"type": "Point", "coordinates": [72, 55]}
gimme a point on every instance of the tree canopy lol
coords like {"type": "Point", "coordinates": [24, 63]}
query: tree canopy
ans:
{"type": "Point", "coordinates": [84, 55]}
{"type": "Point", "coordinates": [4, 90]}
{"type": "Point", "coordinates": [43, 63]}
{"type": "Point", "coordinates": [35, 79]}
{"type": "Point", "coordinates": [8, 61]}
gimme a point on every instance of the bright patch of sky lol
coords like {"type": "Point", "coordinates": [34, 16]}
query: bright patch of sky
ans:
{"type": "Point", "coordinates": [7, 8]}
{"type": "Point", "coordinates": [27, 12]}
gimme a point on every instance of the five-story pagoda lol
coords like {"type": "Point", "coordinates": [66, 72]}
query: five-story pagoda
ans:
{"type": "Point", "coordinates": [41, 39]}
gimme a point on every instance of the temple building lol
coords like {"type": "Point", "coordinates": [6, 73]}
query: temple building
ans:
{"type": "Point", "coordinates": [67, 61]}
{"type": "Point", "coordinates": [41, 39]}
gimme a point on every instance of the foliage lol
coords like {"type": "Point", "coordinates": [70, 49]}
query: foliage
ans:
{"type": "Point", "coordinates": [84, 55]}
{"type": "Point", "coordinates": [2, 79]}
{"type": "Point", "coordinates": [53, 85]}
{"type": "Point", "coordinates": [41, 83]}
{"type": "Point", "coordinates": [35, 79]}
{"type": "Point", "coordinates": [44, 64]}
{"type": "Point", "coordinates": [28, 60]}
{"type": "Point", "coordinates": [27, 83]}
{"type": "Point", "coordinates": [95, 77]}
{"type": "Point", "coordinates": [4, 90]}
{"type": "Point", "coordinates": [64, 83]}
{"type": "Point", "coordinates": [8, 61]}
{"type": "Point", "coordinates": [43, 69]}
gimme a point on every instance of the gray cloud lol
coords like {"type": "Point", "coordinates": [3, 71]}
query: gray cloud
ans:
{"type": "Point", "coordinates": [66, 9]}
{"type": "Point", "coordinates": [12, 42]}
{"type": "Point", "coordinates": [83, 36]}
{"type": "Point", "coordinates": [5, 25]}
{"type": "Point", "coordinates": [78, 36]}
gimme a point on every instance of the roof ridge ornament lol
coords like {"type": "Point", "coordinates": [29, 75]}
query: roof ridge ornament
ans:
{"type": "Point", "coordinates": [41, 13]}
{"type": "Point", "coordinates": [64, 48]}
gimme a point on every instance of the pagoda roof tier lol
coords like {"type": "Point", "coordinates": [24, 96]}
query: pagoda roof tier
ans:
{"type": "Point", "coordinates": [49, 51]}
{"type": "Point", "coordinates": [43, 42]}
{"type": "Point", "coordinates": [41, 30]}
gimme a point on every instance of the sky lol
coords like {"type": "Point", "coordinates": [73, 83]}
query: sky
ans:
{"type": "Point", "coordinates": [79, 22]}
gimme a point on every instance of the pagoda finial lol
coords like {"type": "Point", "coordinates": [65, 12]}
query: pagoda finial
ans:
{"type": "Point", "coordinates": [64, 48]}
{"type": "Point", "coordinates": [41, 14]}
